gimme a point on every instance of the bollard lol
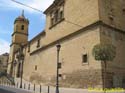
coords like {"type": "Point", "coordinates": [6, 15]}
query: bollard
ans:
{"type": "Point", "coordinates": [48, 89]}
{"type": "Point", "coordinates": [34, 87]}
{"type": "Point", "coordinates": [40, 88]}
{"type": "Point", "coordinates": [29, 87]}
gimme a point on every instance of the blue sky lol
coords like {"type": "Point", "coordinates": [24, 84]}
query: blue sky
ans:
{"type": "Point", "coordinates": [10, 10]}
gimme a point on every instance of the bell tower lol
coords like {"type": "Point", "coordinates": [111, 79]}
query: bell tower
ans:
{"type": "Point", "coordinates": [19, 36]}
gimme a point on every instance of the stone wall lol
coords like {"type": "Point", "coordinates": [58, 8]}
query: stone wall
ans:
{"type": "Point", "coordinates": [72, 49]}
{"type": "Point", "coordinates": [76, 79]}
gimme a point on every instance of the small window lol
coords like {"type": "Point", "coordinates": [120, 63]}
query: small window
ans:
{"type": "Point", "coordinates": [59, 65]}
{"type": "Point", "coordinates": [36, 67]}
{"type": "Point", "coordinates": [60, 75]}
{"type": "Point", "coordinates": [84, 58]}
{"type": "Point", "coordinates": [22, 27]}
{"type": "Point", "coordinates": [38, 43]}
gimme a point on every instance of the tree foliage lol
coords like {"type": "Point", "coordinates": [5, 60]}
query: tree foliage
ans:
{"type": "Point", "coordinates": [104, 52]}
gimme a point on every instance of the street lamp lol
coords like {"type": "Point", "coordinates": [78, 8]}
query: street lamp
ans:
{"type": "Point", "coordinates": [20, 57]}
{"type": "Point", "coordinates": [57, 76]}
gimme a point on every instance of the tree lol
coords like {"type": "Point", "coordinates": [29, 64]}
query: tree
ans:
{"type": "Point", "coordinates": [104, 53]}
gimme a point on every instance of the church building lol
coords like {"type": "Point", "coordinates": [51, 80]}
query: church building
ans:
{"type": "Point", "coordinates": [77, 25]}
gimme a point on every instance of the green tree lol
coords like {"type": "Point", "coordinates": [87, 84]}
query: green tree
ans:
{"type": "Point", "coordinates": [104, 53]}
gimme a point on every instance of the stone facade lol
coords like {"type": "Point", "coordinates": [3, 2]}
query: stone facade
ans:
{"type": "Point", "coordinates": [77, 25]}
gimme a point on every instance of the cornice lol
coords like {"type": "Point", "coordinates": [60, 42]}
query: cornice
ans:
{"type": "Point", "coordinates": [19, 33]}
{"type": "Point", "coordinates": [14, 43]}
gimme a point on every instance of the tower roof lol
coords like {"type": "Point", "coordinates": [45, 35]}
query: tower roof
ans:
{"type": "Point", "coordinates": [21, 18]}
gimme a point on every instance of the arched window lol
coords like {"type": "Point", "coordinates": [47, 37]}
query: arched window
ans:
{"type": "Point", "coordinates": [22, 27]}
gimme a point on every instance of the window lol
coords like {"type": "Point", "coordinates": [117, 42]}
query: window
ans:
{"type": "Point", "coordinates": [59, 65]}
{"type": "Point", "coordinates": [22, 27]}
{"type": "Point", "coordinates": [36, 67]}
{"type": "Point", "coordinates": [60, 75]}
{"type": "Point", "coordinates": [84, 58]}
{"type": "Point", "coordinates": [56, 15]}
{"type": "Point", "coordinates": [38, 43]}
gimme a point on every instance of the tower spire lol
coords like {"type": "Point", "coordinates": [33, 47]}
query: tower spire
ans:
{"type": "Point", "coordinates": [23, 13]}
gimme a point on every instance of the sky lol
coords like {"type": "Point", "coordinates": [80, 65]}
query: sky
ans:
{"type": "Point", "coordinates": [9, 11]}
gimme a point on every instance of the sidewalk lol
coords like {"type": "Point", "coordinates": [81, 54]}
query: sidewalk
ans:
{"type": "Point", "coordinates": [15, 90]}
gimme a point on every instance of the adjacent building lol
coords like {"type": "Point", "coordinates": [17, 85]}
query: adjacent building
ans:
{"type": "Point", "coordinates": [4, 62]}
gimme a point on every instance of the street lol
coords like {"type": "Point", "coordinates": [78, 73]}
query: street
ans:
{"type": "Point", "coordinates": [5, 91]}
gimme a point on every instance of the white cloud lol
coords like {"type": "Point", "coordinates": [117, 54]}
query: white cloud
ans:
{"type": "Point", "coordinates": [4, 46]}
{"type": "Point", "coordinates": [38, 4]}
